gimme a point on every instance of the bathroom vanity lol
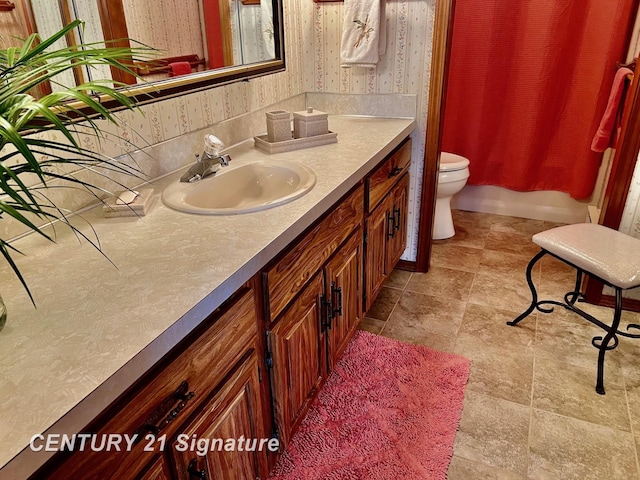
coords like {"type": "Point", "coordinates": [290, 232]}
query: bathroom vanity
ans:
{"type": "Point", "coordinates": [210, 327]}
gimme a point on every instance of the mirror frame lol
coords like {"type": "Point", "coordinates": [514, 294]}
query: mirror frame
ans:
{"type": "Point", "coordinates": [153, 91]}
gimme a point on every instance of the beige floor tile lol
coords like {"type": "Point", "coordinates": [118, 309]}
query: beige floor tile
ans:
{"type": "Point", "coordinates": [489, 325]}
{"type": "Point", "coordinates": [632, 386]}
{"type": "Point", "coordinates": [471, 228]}
{"type": "Point", "coordinates": [508, 264]}
{"type": "Point", "coordinates": [548, 225]}
{"type": "Point", "coordinates": [510, 242]}
{"type": "Point", "coordinates": [557, 278]}
{"type": "Point", "coordinates": [500, 291]}
{"type": "Point", "coordinates": [463, 469]}
{"type": "Point", "coordinates": [398, 279]}
{"type": "Point", "coordinates": [570, 342]}
{"type": "Point", "coordinates": [569, 390]}
{"type": "Point", "coordinates": [493, 432]}
{"type": "Point", "coordinates": [505, 374]}
{"type": "Point", "coordinates": [384, 303]}
{"type": "Point", "coordinates": [477, 219]}
{"type": "Point", "coordinates": [457, 257]}
{"type": "Point", "coordinates": [425, 314]}
{"type": "Point", "coordinates": [569, 449]}
{"type": "Point", "coordinates": [442, 282]}
{"type": "Point", "coordinates": [628, 352]}
{"type": "Point", "coordinates": [521, 226]}
{"type": "Point", "coordinates": [372, 325]}
{"type": "Point", "coordinates": [404, 333]}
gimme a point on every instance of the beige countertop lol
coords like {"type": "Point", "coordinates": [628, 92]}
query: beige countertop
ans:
{"type": "Point", "coordinates": [99, 326]}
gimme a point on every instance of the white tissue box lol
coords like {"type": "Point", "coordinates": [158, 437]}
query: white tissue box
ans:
{"type": "Point", "coordinates": [310, 123]}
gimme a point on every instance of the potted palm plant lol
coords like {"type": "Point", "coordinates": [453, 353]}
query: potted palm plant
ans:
{"type": "Point", "coordinates": [23, 155]}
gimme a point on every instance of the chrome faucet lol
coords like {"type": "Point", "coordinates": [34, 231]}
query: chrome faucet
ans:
{"type": "Point", "coordinates": [209, 162]}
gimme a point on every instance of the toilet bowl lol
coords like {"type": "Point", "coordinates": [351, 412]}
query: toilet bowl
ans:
{"type": "Point", "coordinates": [452, 176]}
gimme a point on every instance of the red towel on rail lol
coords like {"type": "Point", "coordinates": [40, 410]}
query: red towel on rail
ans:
{"type": "Point", "coordinates": [179, 68]}
{"type": "Point", "coordinates": [604, 137]}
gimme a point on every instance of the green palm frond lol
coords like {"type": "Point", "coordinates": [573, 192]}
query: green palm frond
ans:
{"type": "Point", "coordinates": [22, 70]}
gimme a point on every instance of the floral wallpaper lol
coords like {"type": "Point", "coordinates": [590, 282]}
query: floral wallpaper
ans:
{"type": "Point", "coordinates": [404, 68]}
{"type": "Point", "coordinates": [172, 26]}
{"type": "Point", "coordinates": [48, 21]}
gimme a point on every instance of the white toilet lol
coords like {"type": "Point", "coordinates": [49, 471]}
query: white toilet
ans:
{"type": "Point", "coordinates": [452, 176]}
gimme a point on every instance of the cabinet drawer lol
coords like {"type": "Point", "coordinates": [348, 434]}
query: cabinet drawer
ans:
{"type": "Point", "coordinates": [164, 401]}
{"type": "Point", "coordinates": [289, 275]}
{"type": "Point", "coordinates": [385, 176]}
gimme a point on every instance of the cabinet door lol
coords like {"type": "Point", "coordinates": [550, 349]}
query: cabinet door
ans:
{"type": "Point", "coordinates": [234, 414]}
{"type": "Point", "coordinates": [344, 287]}
{"type": "Point", "coordinates": [379, 226]}
{"type": "Point", "coordinates": [399, 212]}
{"type": "Point", "coordinates": [297, 345]}
{"type": "Point", "coordinates": [159, 470]}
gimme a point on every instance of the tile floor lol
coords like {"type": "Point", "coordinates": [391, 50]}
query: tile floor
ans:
{"type": "Point", "coordinates": [531, 410]}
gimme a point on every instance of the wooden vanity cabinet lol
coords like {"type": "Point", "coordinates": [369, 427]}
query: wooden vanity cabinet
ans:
{"type": "Point", "coordinates": [254, 366]}
{"type": "Point", "coordinates": [343, 284]}
{"type": "Point", "coordinates": [210, 384]}
{"type": "Point", "coordinates": [387, 194]}
{"type": "Point", "coordinates": [297, 352]}
{"type": "Point", "coordinates": [311, 330]}
{"type": "Point", "coordinates": [234, 412]}
{"type": "Point", "coordinates": [158, 469]}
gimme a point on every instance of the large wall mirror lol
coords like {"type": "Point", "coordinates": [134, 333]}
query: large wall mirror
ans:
{"type": "Point", "coordinates": [199, 43]}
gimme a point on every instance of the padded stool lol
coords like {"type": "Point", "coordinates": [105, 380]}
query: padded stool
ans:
{"type": "Point", "coordinates": [606, 254]}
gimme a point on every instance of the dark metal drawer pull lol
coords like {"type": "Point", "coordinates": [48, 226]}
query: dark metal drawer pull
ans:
{"type": "Point", "coordinates": [166, 412]}
{"type": "Point", "coordinates": [396, 218]}
{"type": "Point", "coordinates": [336, 295]}
{"type": "Point", "coordinates": [193, 471]}
{"type": "Point", "coordinates": [395, 171]}
{"type": "Point", "coordinates": [391, 223]}
{"type": "Point", "coordinates": [326, 313]}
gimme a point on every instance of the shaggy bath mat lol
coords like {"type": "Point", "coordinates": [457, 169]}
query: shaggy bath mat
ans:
{"type": "Point", "coordinates": [388, 410]}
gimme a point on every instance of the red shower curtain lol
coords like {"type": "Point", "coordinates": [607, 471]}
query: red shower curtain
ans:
{"type": "Point", "coordinates": [528, 84]}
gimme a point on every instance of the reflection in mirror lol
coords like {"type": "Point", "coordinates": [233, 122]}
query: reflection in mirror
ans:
{"type": "Point", "coordinates": [189, 36]}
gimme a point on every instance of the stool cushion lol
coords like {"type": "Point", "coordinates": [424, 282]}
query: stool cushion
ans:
{"type": "Point", "coordinates": [611, 255]}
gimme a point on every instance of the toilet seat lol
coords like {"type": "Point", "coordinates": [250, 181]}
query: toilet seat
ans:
{"type": "Point", "coordinates": [450, 162]}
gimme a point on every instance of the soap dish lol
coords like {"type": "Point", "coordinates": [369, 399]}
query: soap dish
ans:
{"type": "Point", "coordinates": [261, 143]}
{"type": "Point", "coordinates": [137, 208]}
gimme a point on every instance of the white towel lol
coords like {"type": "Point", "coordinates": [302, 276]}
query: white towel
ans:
{"type": "Point", "coordinates": [266, 8]}
{"type": "Point", "coordinates": [363, 33]}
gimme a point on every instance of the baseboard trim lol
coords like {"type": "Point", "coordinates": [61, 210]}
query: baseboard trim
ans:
{"type": "Point", "coordinates": [407, 265]}
{"type": "Point", "coordinates": [629, 304]}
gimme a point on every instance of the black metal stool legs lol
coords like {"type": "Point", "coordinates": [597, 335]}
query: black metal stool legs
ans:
{"type": "Point", "coordinates": [602, 344]}
{"type": "Point", "coordinates": [532, 287]}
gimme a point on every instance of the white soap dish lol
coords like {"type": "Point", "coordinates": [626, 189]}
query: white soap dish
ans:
{"type": "Point", "coordinates": [261, 143]}
{"type": "Point", "coordinates": [128, 204]}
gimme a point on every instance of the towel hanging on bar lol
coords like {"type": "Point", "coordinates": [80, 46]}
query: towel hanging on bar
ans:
{"type": "Point", "coordinates": [363, 33]}
{"type": "Point", "coordinates": [606, 135]}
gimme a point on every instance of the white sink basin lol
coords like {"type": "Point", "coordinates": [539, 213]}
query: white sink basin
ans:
{"type": "Point", "coordinates": [241, 189]}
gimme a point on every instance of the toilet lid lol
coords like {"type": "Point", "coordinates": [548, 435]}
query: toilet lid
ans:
{"type": "Point", "coordinates": [450, 162]}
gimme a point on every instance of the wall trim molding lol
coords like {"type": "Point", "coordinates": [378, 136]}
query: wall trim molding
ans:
{"type": "Point", "coordinates": [441, 52]}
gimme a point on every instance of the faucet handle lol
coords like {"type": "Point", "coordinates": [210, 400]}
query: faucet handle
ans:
{"type": "Point", "coordinates": [212, 145]}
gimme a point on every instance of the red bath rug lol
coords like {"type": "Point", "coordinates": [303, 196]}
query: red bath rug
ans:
{"type": "Point", "coordinates": [389, 410]}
